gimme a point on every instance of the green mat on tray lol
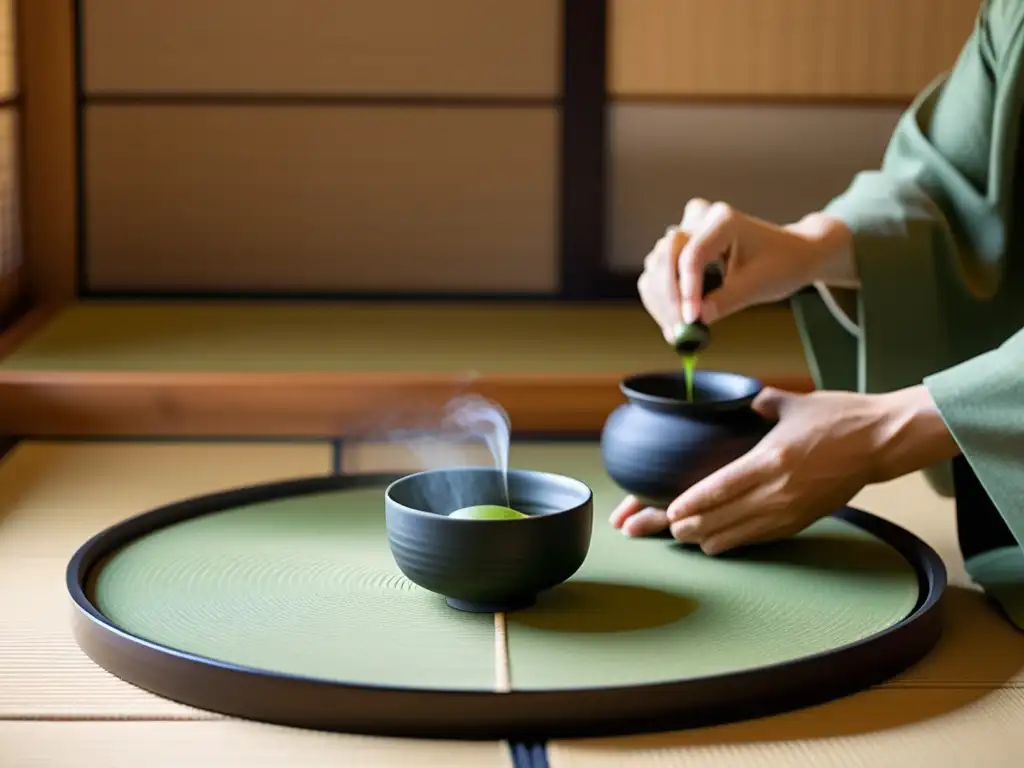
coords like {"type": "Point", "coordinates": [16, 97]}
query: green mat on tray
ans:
{"type": "Point", "coordinates": [307, 586]}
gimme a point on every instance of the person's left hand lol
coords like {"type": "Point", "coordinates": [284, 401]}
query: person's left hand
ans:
{"type": "Point", "coordinates": [825, 447]}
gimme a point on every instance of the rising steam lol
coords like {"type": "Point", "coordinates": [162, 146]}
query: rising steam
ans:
{"type": "Point", "coordinates": [467, 422]}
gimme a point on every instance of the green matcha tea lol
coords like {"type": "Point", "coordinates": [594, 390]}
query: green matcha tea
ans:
{"type": "Point", "coordinates": [690, 338]}
{"type": "Point", "coordinates": [487, 512]}
{"type": "Point", "coordinates": [689, 367]}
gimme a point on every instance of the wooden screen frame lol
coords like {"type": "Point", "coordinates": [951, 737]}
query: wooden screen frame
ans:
{"type": "Point", "coordinates": [47, 128]}
{"type": "Point", "coordinates": [99, 403]}
{"type": "Point", "coordinates": [12, 284]}
{"type": "Point", "coordinates": [55, 100]}
{"type": "Point", "coordinates": [580, 164]}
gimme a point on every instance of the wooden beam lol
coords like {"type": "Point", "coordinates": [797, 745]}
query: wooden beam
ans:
{"type": "Point", "coordinates": [46, 64]}
{"type": "Point", "coordinates": [172, 404]}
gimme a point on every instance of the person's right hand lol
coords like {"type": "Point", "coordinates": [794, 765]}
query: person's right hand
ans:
{"type": "Point", "coordinates": [763, 263]}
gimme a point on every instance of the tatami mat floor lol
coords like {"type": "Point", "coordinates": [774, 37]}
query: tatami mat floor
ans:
{"type": "Point", "coordinates": [239, 336]}
{"type": "Point", "coordinates": [961, 706]}
{"type": "Point", "coordinates": [57, 709]}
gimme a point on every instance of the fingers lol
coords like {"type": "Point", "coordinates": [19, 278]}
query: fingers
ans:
{"type": "Point", "coordinates": [646, 522]}
{"type": "Point", "coordinates": [711, 524]}
{"type": "Point", "coordinates": [750, 284]}
{"type": "Point", "coordinates": [636, 519]}
{"type": "Point", "coordinates": [652, 303]}
{"type": "Point", "coordinates": [693, 214]}
{"type": "Point", "coordinates": [748, 519]}
{"type": "Point", "coordinates": [628, 507]}
{"type": "Point", "coordinates": [675, 240]}
{"type": "Point", "coordinates": [725, 499]}
{"type": "Point", "coordinates": [672, 284]}
{"type": "Point", "coordinates": [696, 529]}
{"type": "Point", "coordinates": [757, 529]}
{"type": "Point", "coordinates": [657, 285]}
{"type": "Point", "coordinates": [721, 487]}
{"type": "Point", "coordinates": [712, 238]}
{"type": "Point", "coordinates": [770, 402]}
{"type": "Point", "coordinates": [772, 263]}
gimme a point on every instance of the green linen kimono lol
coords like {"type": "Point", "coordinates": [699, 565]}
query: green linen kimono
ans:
{"type": "Point", "coordinates": [939, 247]}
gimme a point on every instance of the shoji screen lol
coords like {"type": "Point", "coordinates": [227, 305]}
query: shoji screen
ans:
{"type": "Point", "coordinates": [771, 105]}
{"type": "Point", "coordinates": [321, 145]}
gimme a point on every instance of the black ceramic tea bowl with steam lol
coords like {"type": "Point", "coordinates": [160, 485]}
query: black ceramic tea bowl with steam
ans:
{"type": "Point", "coordinates": [659, 443]}
{"type": "Point", "coordinates": [488, 565]}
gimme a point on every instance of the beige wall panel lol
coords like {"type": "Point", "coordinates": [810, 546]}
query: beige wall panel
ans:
{"type": "Point", "coordinates": [859, 48]}
{"type": "Point", "coordinates": [777, 162]}
{"type": "Point", "coordinates": [268, 198]}
{"type": "Point", "coordinates": [489, 47]}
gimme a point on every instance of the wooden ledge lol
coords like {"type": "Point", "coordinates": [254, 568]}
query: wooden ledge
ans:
{"type": "Point", "coordinates": [153, 369]}
{"type": "Point", "coordinates": [133, 404]}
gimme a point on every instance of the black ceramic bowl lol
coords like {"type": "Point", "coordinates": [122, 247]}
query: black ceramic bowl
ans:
{"type": "Point", "coordinates": [659, 443]}
{"type": "Point", "coordinates": [488, 565]}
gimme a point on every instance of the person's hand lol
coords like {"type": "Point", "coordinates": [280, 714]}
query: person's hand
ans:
{"type": "Point", "coordinates": [763, 263]}
{"type": "Point", "coordinates": [824, 448]}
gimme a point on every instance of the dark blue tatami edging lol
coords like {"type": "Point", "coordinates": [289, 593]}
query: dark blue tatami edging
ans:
{"type": "Point", "coordinates": [529, 754]}
{"type": "Point", "coordinates": [337, 447]}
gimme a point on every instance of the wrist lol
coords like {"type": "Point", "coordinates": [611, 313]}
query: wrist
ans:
{"type": "Point", "coordinates": [831, 249]}
{"type": "Point", "coordinates": [911, 433]}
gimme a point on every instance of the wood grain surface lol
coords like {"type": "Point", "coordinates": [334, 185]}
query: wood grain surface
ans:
{"type": "Point", "coordinates": [878, 50]}
{"type": "Point", "coordinates": [49, 174]}
{"type": "Point", "coordinates": [12, 266]}
{"type": "Point", "coordinates": [140, 369]}
{"type": "Point", "coordinates": [495, 48]}
{"type": "Point", "coordinates": [8, 51]}
{"type": "Point", "coordinates": [314, 199]}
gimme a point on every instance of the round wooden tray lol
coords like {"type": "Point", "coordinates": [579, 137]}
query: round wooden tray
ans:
{"type": "Point", "coordinates": [528, 712]}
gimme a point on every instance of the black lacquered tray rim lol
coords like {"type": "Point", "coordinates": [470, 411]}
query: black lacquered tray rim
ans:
{"type": "Point", "coordinates": [284, 699]}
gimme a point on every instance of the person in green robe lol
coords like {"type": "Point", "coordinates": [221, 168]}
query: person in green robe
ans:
{"type": "Point", "coordinates": [908, 290]}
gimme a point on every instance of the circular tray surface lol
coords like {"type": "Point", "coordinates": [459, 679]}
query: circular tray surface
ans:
{"type": "Point", "coordinates": [282, 603]}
